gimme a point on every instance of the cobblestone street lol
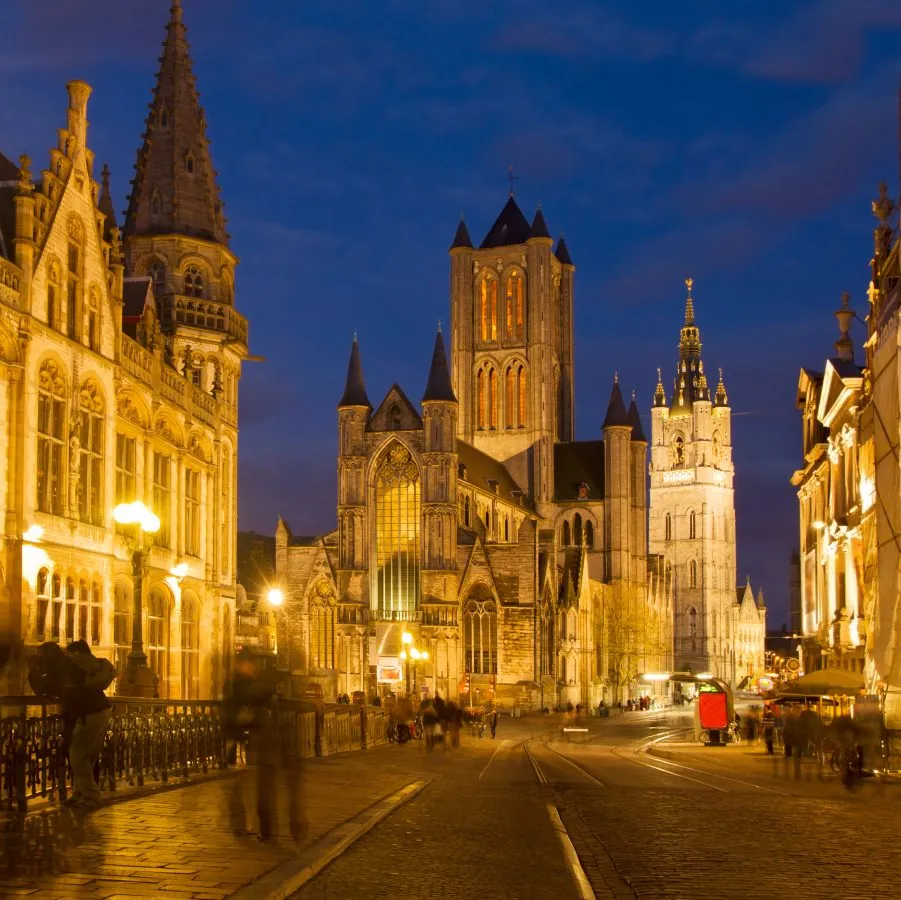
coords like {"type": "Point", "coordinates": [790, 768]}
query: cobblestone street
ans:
{"type": "Point", "coordinates": [678, 821]}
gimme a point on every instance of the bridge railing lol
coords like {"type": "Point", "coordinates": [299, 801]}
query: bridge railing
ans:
{"type": "Point", "coordinates": [162, 740]}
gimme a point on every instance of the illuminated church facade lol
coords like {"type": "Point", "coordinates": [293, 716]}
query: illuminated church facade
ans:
{"type": "Point", "coordinates": [481, 553]}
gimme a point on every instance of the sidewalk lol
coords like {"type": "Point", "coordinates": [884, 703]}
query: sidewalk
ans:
{"type": "Point", "coordinates": [179, 843]}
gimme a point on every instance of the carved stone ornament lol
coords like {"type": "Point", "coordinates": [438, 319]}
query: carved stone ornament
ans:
{"type": "Point", "coordinates": [74, 229]}
{"type": "Point", "coordinates": [89, 398]}
{"type": "Point", "coordinates": [126, 408]}
{"type": "Point", "coordinates": [166, 432]}
{"type": "Point", "coordinates": [195, 448]}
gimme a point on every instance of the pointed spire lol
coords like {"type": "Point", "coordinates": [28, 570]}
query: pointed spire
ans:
{"type": "Point", "coordinates": [439, 384]}
{"type": "Point", "coordinates": [635, 422]}
{"type": "Point", "coordinates": [721, 398]}
{"type": "Point", "coordinates": [689, 303]}
{"type": "Point", "coordinates": [105, 203]}
{"type": "Point", "coordinates": [510, 227]}
{"type": "Point", "coordinates": [461, 237]}
{"type": "Point", "coordinates": [761, 603]}
{"type": "Point", "coordinates": [174, 189]}
{"type": "Point", "coordinates": [539, 226]}
{"type": "Point", "coordinates": [562, 252]}
{"type": "Point", "coordinates": [354, 388]}
{"type": "Point", "coordinates": [844, 347]}
{"type": "Point", "coordinates": [616, 409]}
{"type": "Point", "coordinates": [659, 393]}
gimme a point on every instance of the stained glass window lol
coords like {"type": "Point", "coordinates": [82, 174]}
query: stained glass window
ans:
{"type": "Point", "coordinates": [51, 438]}
{"type": "Point", "coordinates": [480, 637]}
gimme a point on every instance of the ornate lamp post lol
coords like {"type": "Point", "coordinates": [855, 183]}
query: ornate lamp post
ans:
{"type": "Point", "coordinates": [138, 679]}
{"type": "Point", "coordinates": [411, 652]}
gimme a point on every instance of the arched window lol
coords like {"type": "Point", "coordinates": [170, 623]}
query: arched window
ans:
{"type": "Point", "coordinates": [90, 469]}
{"type": "Point", "coordinates": [189, 164]}
{"type": "Point", "coordinates": [480, 636]}
{"type": "Point", "coordinates": [157, 273]}
{"type": "Point", "coordinates": [693, 573]}
{"type": "Point", "coordinates": [158, 637]}
{"type": "Point", "coordinates": [547, 638]}
{"type": "Point", "coordinates": [678, 451]}
{"type": "Point", "coordinates": [513, 300]}
{"type": "Point", "coordinates": [75, 259]}
{"type": "Point", "coordinates": [510, 410]}
{"type": "Point", "coordinates": [42, 591]}
{"type": "Point", "coordinates": [194, 281]}
{"type": "Point", "coordinates": [693, 627]}
{"type": "Point", "coordinates": [51, 439]}
{"type": "Point", "coordinates": [84, 610]}
{"type": "Point", "coordinates": [482, 398]}
{"type": "Point", "coordinates": [322, 628]}
{"type": "Point", "coordinates": [123, 601]}
{"type": "Point", "coordinates": [71, 603]}
{"type": "Point", "coordinates": [486, 385]}
{"type": "Point", "coordinates": [563, 670]}
{"type": "Point", "coordinates": [565, 537]}
{"type": "Point", "coordinates": [190, 647]}
{"type": "Point", "coordinates": [692, 525]}
{"type": "Point", "coordinates": [397, 536]}
{"type": "Point", "coordinates": [53, 296]}
{"type": "Point", "coordinates": [668, 527]}
{"type": "Point", "coordinates": [577, 530]}
{"type": "Point", "coordinates": [589, 535]}
{"type": "Point", "coordinates": [488, 309]}
{"type": "Point", "coordinates": [492, 398]}
{"type": "Point", "coordinates": [467, 512]}
{"type": "Point", "coordinates": [523, 396]}
{"type": "Point", "coordinates": [56, 598]}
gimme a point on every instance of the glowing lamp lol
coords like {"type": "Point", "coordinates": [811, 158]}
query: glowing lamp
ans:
{"type": "Point", "coordinates": [137, 514]}
{"type": "Point", "coordinates": [425, 654]}
{"type": "Point", "coordinates": [407, 638]}
{"type": "Point", "coordinates": [180, 570]}
{"type": "Point", "coordinates": [704, 676]}
{"type": "Point", "coordinates": [403, 655]}
{"type": "Point", "coordinates": [819, 524]}
{"type": "Point", "coordinates": [414, 653]}
{"type": "Point", "coordinates": [33, 534]}
{"type": "Point", "coordinates": [275, 597]}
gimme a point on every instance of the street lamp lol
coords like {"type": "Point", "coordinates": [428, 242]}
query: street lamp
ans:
{"type": "Point", "coordinates": [138, 679]}
{"type": "Point", "coordinates": [411, 652]}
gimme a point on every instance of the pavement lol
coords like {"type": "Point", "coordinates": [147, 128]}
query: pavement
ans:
{"type": "Point", "coordinates": [629, 809]}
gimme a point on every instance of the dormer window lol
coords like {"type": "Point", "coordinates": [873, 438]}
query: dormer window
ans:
{"type": "Point", "coordinates": [189, 164]}
{"type": "Point", "coordinates": [583, 491]}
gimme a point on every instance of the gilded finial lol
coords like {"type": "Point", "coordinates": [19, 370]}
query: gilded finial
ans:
{"type": "Point", "coordinates": [634, 395]}
{"type": "Point", "coordinates": [883, 206]}
{"type": "Point", "coordinates": [689, 302]}
{"type": "Point", "coordinates": [355, 337]}
{"type": "Point", "coordinates": [616, 377]}
{"type": "Point", "coordinates": [689, 283]}
{"type": "Point", "coordinates": [439, 326]}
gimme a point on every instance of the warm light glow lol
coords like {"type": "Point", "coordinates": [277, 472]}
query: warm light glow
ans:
{"type": "Point", "coordinates": [656, 676]}
{"type": "Point", "coordinates": [137, 514]}
{"type": "Point", "coordinates": [275, 597]}
{"type": "Point", "coordinates": [819, 524]}
{"type": "Point", "coordinates": [33, 560]}
{"type": "Point", "coordinates": [180, 570]}
{"type": "Point", "coordinates": [407, 638]}
{"type": "Point", "coordinates": [704, 676]}
{"type": "Point", "coordinates": [425, 654]}
{"type": "Point", "coordinates": [414, 653]}
{"type": "Point", "coordinates": [867, 492]}
{"type": "Point", "coordinates": [403, 655]}
{"type": "Point", "coordinates": [33, 534]}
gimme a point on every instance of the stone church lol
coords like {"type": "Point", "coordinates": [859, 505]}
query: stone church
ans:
{"type": "Point", "coordinates": [481, 552]}
{"type": "Point", "coordinates": [120, 354]}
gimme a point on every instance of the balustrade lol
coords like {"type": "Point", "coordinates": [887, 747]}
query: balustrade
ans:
{"type": "Point", "coordinates": [159, 740]}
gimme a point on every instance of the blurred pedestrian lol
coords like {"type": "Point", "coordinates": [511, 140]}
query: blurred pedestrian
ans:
{"type": "Point", "coordinates": [492, 722]}
{"type": "Point", "coordinates": [769, 729]}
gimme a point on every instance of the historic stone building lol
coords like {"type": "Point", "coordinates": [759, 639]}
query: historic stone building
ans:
{"type": "Point", "coordinates": [512, 557]}
{"type": "Point", "coordinates": [692, 516]}
{"type": "Point", "coordinates": [120, 356]}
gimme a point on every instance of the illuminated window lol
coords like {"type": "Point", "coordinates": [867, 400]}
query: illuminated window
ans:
{"type": "Point", "coordinates": [51, 439]}
{"type": "Point", "coordinates": [481, 397]}
{"type": "Point", "coordinates": [84, 610]}
{"type": "Point", "coordinates": [488, 309]}
{"type": "Point", "coordinates": [90, 480]}
{"type": "Point", "coordinates": [56, 600]}
{"type": "Point", "coordinates": [70, 609]}
{"type": "Point", "coordinates": [158, 637]}
{"type": "Point", "coordinates": [480, 636]}
{"type": "Point", "coordinates": [192, 512]}
{"type": "Point", "coordinates": [194, 281]}
{"type": "Point", "coordinates": [96, 613]}
{"type": "Point", "coordinates": [122, 611]}
{"type": "Point", "coordinates": [53, 295]}
{"type": "Point", "coordinates": [513, 303]}
{"type": "Point", "coordinates": [486, 389]}
{"type": "Point", "coordinates": [162, 497]}
{"type": "Point", "coordinates": [492, 398]}
{"type": "Point", "coordinates": [190, 647]}
{"type": "Point", "coordinates": [397, 534]}
{"type": "Point", "coordinates": [510, 398]}
{"type": "Point", "coordinates": [523, 397]}
{"type": "Point", "coordinates": [126, 448]}
{"type": "Point", "coordinates": [322, 628]}
{"type": "Point", "coordinates": [42, 591]}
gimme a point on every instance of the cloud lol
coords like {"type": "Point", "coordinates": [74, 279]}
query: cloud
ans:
{"type": "Point", "coordinates": [820, 42]}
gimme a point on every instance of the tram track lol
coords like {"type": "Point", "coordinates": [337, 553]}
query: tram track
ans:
{"type": "Point", "coordinates": [539, 772]}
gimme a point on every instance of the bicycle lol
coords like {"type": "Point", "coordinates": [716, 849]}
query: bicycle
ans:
{"type": "Point", "coordinates": [845, 761]}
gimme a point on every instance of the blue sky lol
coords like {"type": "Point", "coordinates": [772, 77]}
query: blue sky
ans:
{"type": "Point", "coordinates": [665, 140]}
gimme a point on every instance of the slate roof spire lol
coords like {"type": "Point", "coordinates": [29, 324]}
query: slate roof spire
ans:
{"type": "Point", "coordinates": [539, 226]}
{"type": "Point", "coordinates": [616, 409]}
{"type": "Point", "coordinates": [105, 204]}
{"type": "Point", "coordinates": [659, 393]}
{"type": "Point", "coordinates": [174, 190]}
{"type": "Point", "coordinates": [461, 238]}
{"type": "Point", "coordinates": [439, 384]}
{"type": "Point", "coordinates": [510, 227]}
{"type": "Point", "coordinates": [635, 422]}
{"type": "Point", "coordinates": [562, 252]}
{"type": "Point", "coordinates": [690, 383]}
{"type": "Point", "coordinates": [354, 388]}
{"type": "Point", "coordinates": [721, 398]}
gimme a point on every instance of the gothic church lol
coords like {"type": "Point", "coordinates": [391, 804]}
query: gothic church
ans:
{"type": "Point", "coordinates": [509, 560]}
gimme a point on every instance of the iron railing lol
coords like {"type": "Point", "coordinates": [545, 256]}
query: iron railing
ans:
{"type": "Point", "coordinates": [162, 740]}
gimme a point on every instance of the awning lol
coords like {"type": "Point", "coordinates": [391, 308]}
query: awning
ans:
{"type": "Point", "coordinates": [824, 682]}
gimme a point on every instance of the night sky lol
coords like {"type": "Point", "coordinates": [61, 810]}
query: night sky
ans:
{"type": "Point", "coordinates": [349, 136]}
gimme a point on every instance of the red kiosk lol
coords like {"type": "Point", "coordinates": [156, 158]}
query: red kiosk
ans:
{"type": "Point", "coordinates": [714, 711]}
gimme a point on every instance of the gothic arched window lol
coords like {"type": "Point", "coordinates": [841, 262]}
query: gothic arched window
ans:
{"type": "Point", "coordinates": [566, 535]}
{"type": "Point", "coordinates": [157, 272]}
{"type": "Point", "coordinates": [589, 535]}
{"type": "Point", "coordinates": [510, 398]}
{"type": "Point", "coordinates": [577, 530]}
{"type": "Point", "coordinates": [678, 451]}
{"type": "Point", "coordinates": [693, 573]}
{"type": "Point", "coordinates": [521, 390]}
{"type": "Point", "coordinates": [51, 438]}
{"type": "Point", "coordinates": [692, 525]}
{"type": "Point", "coordinates": [397, 536]}
{"type": "Point", "coordinates": [394, 420]}
{"type": "Point", "coordinates": [42, 590]}
{"type": "Point", "coordinates": [480, 636]}
{"type": "Point", "coordinates": [322, 628]}
{"type": "Point", "coordinates": [547, 639]}
{"type": "Point", "coordinates": [513, 302]}
{"type": "Point", "coordinates": [488, 308]}
{"type": "Point", "coordinates": [190, 647]}
{"type": "Point", "coordinates": [194, 281]}
{"type": "Point", "coordinates": [90, 468]}
{"type": "Point", "coordinates": [693, 627]}
{"type": "Point", "coordinates": [158, 636]}
{"type": "Point", "coordinates": [53, 296]}
{"type": "Point", "coordinates": [668, 527]}
{"type": "Point", "coordinates": [122, 610]}
{"type": "Point", "coordinates": [467, 511]}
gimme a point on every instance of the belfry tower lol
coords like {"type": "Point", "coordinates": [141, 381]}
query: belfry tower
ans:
{"type": "Point", "coordinates": [692, 507]}
{"type": "Point", "coordinates": [512, 343]}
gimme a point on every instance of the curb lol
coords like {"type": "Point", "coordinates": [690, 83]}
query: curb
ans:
{"type": "Point", "coordinates": [290, 876]}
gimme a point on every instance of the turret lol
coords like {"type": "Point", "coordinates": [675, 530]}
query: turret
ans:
{"type": "Point", "coordinates": [617, 484]}
{"type": "Point", "coordinates": [439, 402]}
{"type": "Point", "coordinates": [638, 449]}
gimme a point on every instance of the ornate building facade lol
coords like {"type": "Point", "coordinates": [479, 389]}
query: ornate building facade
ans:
{"type": "Point", "coordinates": [692, 516]}
{"type": "Point", "coordinates": [512, 558]}
{"type": "Point", "coordinates": [120, 356]}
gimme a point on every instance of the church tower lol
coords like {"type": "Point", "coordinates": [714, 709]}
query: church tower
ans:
{"type": "Point", "coordinates": [692, 516]}
{"type": "Point", "coordinates": [511, 315]}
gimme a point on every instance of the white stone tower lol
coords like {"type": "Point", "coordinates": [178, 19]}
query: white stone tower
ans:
{"type": "Point", "coordinates": [692, 516]}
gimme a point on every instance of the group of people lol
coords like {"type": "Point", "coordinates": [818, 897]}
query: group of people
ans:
{"type": "Point", "coordinates": [438, 718]}
{"type": "Point", "coordinates": [75, 679]}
